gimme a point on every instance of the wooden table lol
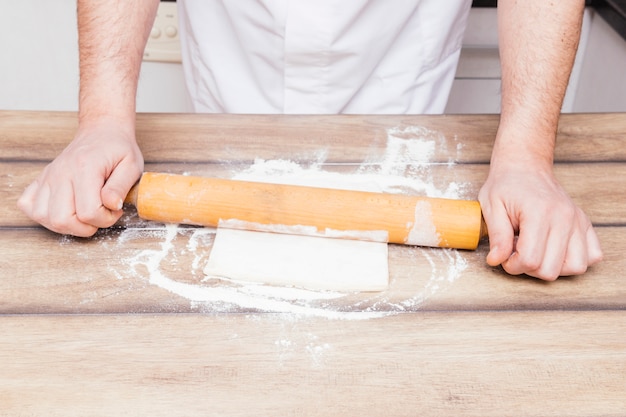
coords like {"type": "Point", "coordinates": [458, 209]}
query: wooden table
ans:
{"type": "Point", "coordinates": [107, 325]}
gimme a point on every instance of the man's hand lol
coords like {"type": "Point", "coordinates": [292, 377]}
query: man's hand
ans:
{"type": "Point", "coordinates": [555, 237]}
{"type": "Point", "coordinates": [538, 42]}
{"type": "Point", "coordinates": [83, 189]}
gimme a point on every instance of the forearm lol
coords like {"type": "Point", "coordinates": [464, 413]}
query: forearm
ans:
{"type": "Point", "coordinates": [534, 227]}
{"type": "Point", "coordinates": [112, 36]}
{"type": "Point", "coordinates": [538, 42]}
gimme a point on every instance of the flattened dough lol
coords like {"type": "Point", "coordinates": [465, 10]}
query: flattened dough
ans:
{"type": "Point", "coordinates": [309, 262]}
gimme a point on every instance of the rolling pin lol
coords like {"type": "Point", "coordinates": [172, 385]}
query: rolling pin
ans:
{"type": "Point", "coordinates": [404, 219]}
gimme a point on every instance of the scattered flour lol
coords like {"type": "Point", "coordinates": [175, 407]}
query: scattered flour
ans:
{"type": "Point", "coordinates": [405, 167]}
{"type": "Point", "coordinates": [423, 230]}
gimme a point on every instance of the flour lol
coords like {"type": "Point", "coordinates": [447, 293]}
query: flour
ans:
{"type": "Point", "coordinates": [365, 235]}
{"type": "Point", "coordinates": [405, 167]}
{"type": "Point", "coordinates": [225, 296]}
{"type": "Point", "coordinates": [423, 231]}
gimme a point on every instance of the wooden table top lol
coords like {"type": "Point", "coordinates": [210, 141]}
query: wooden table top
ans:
{"type": "Point", "coordinates": [125, 323]}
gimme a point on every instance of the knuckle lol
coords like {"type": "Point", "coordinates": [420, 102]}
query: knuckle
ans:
{"type": "Point", "coordinates": [597, 257]}
{"type": "Point", "coordinates": [530, 262]}
{"type": "Point", "coordinates": [576, 267]}
{"type": "Point", "coordinates": [96, 217]}
{"type": "Point", "coordinates": [548, 275]}
{"type": "Point", "coordinates": [39, 214]}
{"type": "Point", "coordinates": [88, 216]}
{"type": "Point", "coordinates": [548, 271]}
{"type": "Point", "coordinates": [535, 266]}
{"type": "Point", "coordinates": [69, 226]}
{"type": "Point", "coordinates": [59, 224]}
{"type": "Point", "coordinates": [579, 271]}
{"type": "Point", "coordinates": [23, 205]}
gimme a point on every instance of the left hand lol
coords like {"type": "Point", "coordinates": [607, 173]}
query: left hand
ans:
{"type": "Point", "coordinates": [534, 226]}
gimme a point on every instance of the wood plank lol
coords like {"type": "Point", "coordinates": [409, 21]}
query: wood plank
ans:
{"type": "Point", "coordinates": [159, 270]}
{"type": "Point", "coordinates": [590, 137]}
{"type": "Point", "coordinates": [183, 137]}
{"type": "Point", "coordinates": [599, 194]}
{"type": "Point", "coordinates": [598, 189]}
{"type": "Point", "coordinates": [427, 364]}
{"type": "Point", "coordinates": [175, 137]}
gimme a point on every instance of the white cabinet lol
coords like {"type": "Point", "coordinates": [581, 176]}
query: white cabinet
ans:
{"type": "Point", "coordinates": [602, 82]}
{"type": "Point", "coordinates": [38, 47]}
{"type": "Point", "coordinates": [476, 88]}
{"type": "Point", "coordinates": [39, 62]}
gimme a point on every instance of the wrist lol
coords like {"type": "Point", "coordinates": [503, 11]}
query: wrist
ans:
{"type": "Point", "coordinates": [94, 108]}
{"type": "Point", "coordinates": [524, 147]}
{"type": "Point", "coordinates": [121, 125]}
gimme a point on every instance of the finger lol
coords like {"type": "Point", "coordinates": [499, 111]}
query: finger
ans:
{"type": "Point", "coordinates": [554, 258]}
{"type": "Point", "coordinates": [61, 213]}
{"type": "Point", "coordinates": [40, 207]}
{"type": "Point", "coordinates": [27, 199]}
{"type": "Point", "coordinates": [118, 184]}
{"type": "Point", "coordinates": [577, 258]}
{"type": "Point", "coordinates": [594, 250]}
{"type": "Point", "coordinates": [532, 243]}
{"type": "Point", "coordinates": [501, 236]}
{"type": "Point", "coordinates": [89, 207]}
{"type": "Point", "coordinates": [584, 250]}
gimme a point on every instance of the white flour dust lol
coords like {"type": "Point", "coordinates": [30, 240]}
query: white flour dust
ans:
{"type": "Point", "coordinates": [405, 167]}
{"type": "Point", "coordinates": [220, 296]}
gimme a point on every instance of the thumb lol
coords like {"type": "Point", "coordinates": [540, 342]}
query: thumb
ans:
{"type": "Point", "coordinates": [117, 186]}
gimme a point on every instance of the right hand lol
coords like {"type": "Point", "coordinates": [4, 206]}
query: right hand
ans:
{"type": "Point", "coordinates": [555, 237]}
{"type": "Point", "coordinates": [83, 189]}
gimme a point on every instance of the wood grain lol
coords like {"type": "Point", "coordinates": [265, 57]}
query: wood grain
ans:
{"type": "Point", "coordinates": [426, 364]}
{"type": "Point", "coordinates": [47, 273]}
{"type": "Point", "coordinates": [108, 326]}
{"type": "Point", "coordinates": [582, 137]}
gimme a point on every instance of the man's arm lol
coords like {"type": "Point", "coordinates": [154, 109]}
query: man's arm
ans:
{"type": "Point", "coordinates": [538, 42]}
{"type": "Point", "coordinates": [111, 37]}
{"type": "Point", "coordinates": [83, 188]}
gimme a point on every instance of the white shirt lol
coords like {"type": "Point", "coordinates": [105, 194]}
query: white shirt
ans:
{"type": "Point", "coordinates": [321, 56]}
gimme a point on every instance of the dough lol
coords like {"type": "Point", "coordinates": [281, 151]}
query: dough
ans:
{"type": "Point", "coordinates": [309, 262]}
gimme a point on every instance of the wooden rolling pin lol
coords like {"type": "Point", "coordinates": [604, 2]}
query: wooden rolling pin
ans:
{"type": "Point", "coordinates": [410, 220]}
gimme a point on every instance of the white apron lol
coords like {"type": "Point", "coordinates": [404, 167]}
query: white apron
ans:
{"type": "Point", "coordinates": [321, 56]}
